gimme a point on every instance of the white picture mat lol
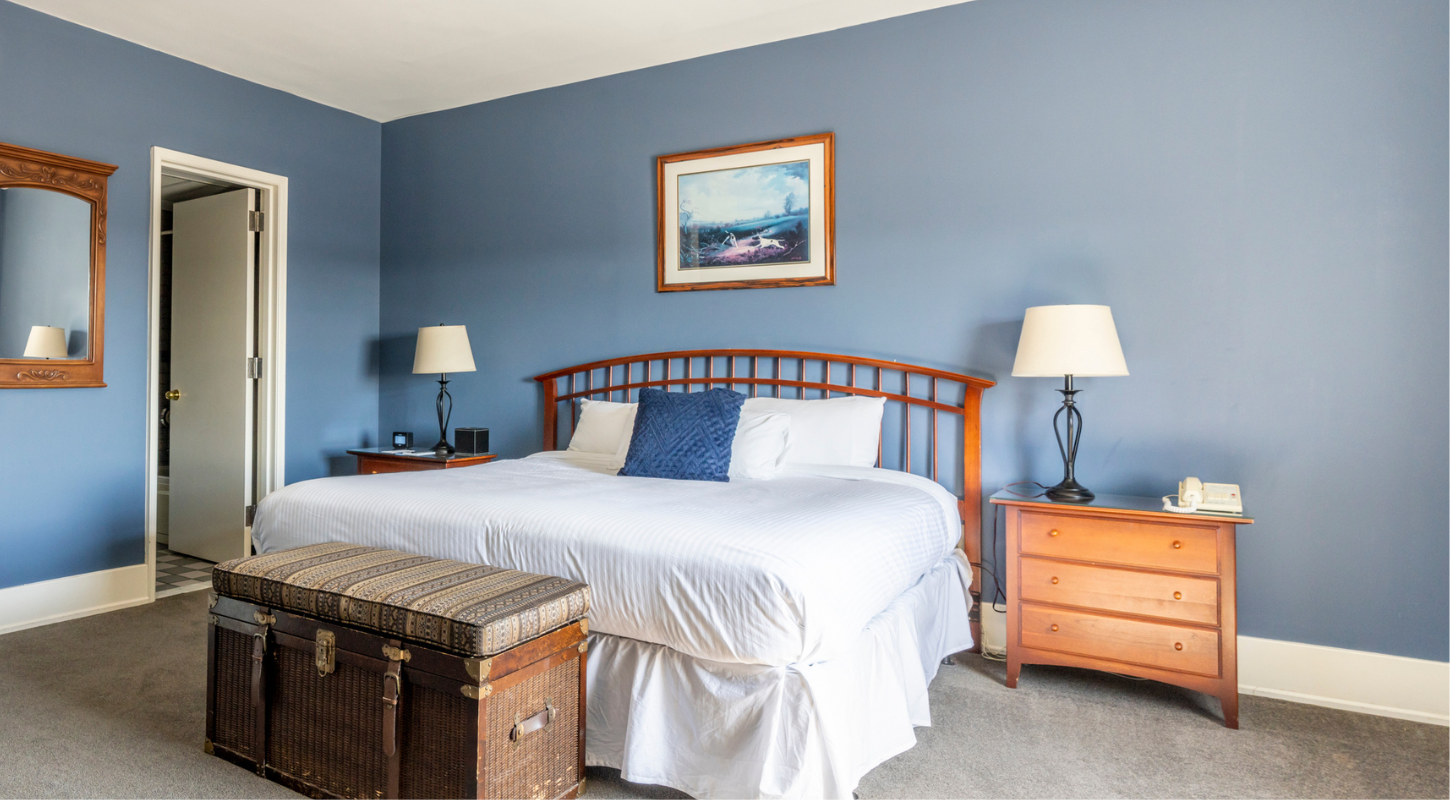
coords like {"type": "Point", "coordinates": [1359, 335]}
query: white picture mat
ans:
{"type": "Point", "coordinates": [813, 268]}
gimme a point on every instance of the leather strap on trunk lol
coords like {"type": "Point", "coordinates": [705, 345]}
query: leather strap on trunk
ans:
{"type": "Point", "coordinates": [392, 698]}
{"type": "Point", "coordinates": [264, 620]}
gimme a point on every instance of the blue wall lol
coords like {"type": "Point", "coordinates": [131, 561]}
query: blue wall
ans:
{"type": "Point", "coordinates": [1257, 189]}
{"type": "Point", "coordinates": [72, 461]}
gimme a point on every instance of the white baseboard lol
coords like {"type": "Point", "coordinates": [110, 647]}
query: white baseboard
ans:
{"type": "Point", "coordinates": [1354, 680]}
{"type": "Point", "coordinates": [33, 604]}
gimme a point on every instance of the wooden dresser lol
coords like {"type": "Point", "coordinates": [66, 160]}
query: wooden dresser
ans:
{"type": "Point", "coordinates": [1121, 585]}
{"type": "Point", "coordinates": [373, 460]}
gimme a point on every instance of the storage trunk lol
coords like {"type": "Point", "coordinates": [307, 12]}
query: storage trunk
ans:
{"type": "Point", "coordinates": [336, 710]}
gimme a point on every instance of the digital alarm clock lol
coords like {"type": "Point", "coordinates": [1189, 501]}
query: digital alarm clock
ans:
{"type": "Point", "coordinates": [402, 440]}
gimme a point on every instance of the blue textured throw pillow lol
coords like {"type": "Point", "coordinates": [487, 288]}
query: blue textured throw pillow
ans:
{"type": "Point", "coordinates": [683, 436]}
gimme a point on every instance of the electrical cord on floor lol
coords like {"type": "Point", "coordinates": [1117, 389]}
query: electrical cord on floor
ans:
{"type": "Point", "coordinates": [999, 595]}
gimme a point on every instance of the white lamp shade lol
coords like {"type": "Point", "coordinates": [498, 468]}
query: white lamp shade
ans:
{"type": "Point", "coordinates": [1069, 340]}
{"type": "Point", "coordinates": [443, 348]}
{"type": "Point", "coordinates": [45, 342]}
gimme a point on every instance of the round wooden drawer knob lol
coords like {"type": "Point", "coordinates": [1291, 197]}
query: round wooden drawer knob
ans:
{"type": "Point", "coordinates": [1178, 545]}
{"type": "Point", "coordinates": [1054, 580]}
{"type": "Point", "coordinates": [1053, 532]}
{"type": "Point", "coordinates": [1178, 645]}
{"type": "Point", "coordinates": [1178, 595]}
{"type": "Point", "coordinates": [1054, 627]}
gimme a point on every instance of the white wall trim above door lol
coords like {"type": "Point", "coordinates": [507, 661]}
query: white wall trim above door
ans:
{"type": "Point", "coordinates": [272, 323]}
{"type": "Point", "coordinates": [31, 605]}
{"type": "Point", "coordinates": [1354, 680]}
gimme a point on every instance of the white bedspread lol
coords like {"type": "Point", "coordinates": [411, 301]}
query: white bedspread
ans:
{"type": "Point", "coordinates": [773, 573]}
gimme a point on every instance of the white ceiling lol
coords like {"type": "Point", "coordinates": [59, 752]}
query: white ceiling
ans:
{"type": "Point", "coordinates": [386, 59]}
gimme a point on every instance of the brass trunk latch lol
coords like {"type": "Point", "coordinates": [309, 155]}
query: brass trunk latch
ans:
{"type": "Point", "coordinates": [326, 652]}
{"type": "Point", "coordinates": [396, 653]}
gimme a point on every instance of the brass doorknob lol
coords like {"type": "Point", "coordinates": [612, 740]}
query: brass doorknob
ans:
{"type": "Point", "coordinates": [174, 394]}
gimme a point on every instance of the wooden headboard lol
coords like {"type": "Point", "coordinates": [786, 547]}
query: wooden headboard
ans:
{"type": "Point", "coordinates": [910, 391]}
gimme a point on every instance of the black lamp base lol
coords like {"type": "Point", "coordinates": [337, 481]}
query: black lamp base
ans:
{"type": "Point", "coordinates": [445, 412]}
{"type": "Point", "coordinates": [1070, 491]}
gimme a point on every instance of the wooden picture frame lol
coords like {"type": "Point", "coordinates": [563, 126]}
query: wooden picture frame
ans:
{"type": "Point", "coordinates": [85, 180]}
{"type": "Point", "coordinates": [732, 217]}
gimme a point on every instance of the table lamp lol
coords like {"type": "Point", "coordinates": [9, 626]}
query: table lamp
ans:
{"type": "Point", "coordinates": [1069, 341]}
{"type": "Point", "coordinates": [443, 349]}
{"type": "Point", "coordinates": [45, 342]}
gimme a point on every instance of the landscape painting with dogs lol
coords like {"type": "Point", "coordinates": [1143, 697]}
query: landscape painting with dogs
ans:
{"type": "Point", "coordinates": [755, 215]}
{"type": "Point", "coordinates": [750, 216]}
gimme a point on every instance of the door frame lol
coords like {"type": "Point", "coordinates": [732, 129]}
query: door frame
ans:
{"type": "Point", "coordinates": [271, 325]}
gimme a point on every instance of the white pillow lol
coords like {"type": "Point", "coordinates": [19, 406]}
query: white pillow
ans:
{"type": "Point", "coordinates": [760, 444]}
{"type": "Point", "coordinates": [758, 450]}
{"type": "Point", "coordinates": [604, 427]}
{"type": "Point", "coordinates": [840, 430]}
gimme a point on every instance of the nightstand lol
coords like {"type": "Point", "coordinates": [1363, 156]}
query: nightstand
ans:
{"type": "Point", "coordinates": [373, 460]}
{"type": "Point", "coordinates": [1121, 585]}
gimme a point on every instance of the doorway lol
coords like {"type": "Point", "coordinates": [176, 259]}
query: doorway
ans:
{"type": "Point", "coordinates": [216, 363]}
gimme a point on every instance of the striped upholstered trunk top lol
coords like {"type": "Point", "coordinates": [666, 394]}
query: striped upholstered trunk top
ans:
{"type": "Point", "coordinates": [470, 609]}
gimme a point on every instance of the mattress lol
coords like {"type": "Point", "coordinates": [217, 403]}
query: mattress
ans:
{"type": "Point", "coordinates": [772, 573]}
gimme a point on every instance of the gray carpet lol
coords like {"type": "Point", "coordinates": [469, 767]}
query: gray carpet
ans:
{"type": "Point", "coordinates": [113, 706]}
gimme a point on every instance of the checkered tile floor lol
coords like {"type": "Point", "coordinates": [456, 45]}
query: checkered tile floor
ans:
{"type": "Point", "coordinates": [177, 573]}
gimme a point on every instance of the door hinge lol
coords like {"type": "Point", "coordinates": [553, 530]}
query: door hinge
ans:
{"type": "Point", "coordinates": [251, 514]}
{"type": "Point", "coordinates": [254, 367]}
{"type": "Point", "coordinates": [255, 220]}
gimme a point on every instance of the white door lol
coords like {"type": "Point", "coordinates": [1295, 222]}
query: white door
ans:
{"type": "Point", "coordinates": [213, 275]}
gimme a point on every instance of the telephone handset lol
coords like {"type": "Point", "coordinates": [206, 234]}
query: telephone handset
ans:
{"type": "Point", "coordinates": [1195, 495]}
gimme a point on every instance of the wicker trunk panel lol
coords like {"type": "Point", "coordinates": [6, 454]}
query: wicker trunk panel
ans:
{"type": "Point", "coordinates": [544, 763]}
{"type": "Point", "coordinates": [439, 751]}
{"type": "Point", "coordinates": [235, 721]}
{"type": "Point", "coordinates": [327, 731]}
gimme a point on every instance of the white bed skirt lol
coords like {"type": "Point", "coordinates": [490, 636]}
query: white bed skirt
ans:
{"type": "Point", "coordinates": [712, 729]}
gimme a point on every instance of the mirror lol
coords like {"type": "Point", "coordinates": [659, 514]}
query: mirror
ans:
{"type": "Point", "coordinates": [52, 269]}
{"type": "Point", "coordinates": [45, 274]}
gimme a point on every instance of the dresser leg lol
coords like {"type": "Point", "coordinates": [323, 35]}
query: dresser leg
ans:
{"type": "Point", "coordinates": [1230, 703]}
{"type": "Point", "coordinates": [1014, 669]}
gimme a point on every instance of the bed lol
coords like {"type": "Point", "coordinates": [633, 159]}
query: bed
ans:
{"type": "Point", "coordinates": [757, 638]}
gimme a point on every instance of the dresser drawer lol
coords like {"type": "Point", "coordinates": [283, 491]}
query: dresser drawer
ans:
{"type": "Point", "coordinates": [373, 466]}
{"type": "Point", "coordinates": [1136, 642]}
{"type": "Point", "coordinates": [1159, 545]}
{"type": "Point", "coordinates": [1147, 593]}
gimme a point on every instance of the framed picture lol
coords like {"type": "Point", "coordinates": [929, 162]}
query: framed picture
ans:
{"type": "Point", "coordinates": [752, 216]}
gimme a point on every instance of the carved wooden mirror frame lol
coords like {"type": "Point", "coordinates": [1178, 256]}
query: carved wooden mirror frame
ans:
{"type": "Point", "coordinates": [86, 180]}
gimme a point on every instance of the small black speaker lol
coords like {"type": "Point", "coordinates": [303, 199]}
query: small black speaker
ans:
{"type": "Point", "coordinates": [472, 441]}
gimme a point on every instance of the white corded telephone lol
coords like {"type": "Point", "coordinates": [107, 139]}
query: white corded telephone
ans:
{"type": "Point", "coordinates": [1194, 495]}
